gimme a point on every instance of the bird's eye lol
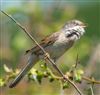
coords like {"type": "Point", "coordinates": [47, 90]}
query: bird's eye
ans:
{"type": "Point", "coordinates": [76, 24]}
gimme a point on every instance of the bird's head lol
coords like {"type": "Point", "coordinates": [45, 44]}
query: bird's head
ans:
{"type": "Point", "coordinates": [74, 29]}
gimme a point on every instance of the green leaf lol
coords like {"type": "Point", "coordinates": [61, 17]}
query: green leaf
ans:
{"type": "Point", "coordinates": [65, 85]}
{"type": "Point", "coordinates": [2, 82]}
{"type": "Point", "coordinates": [51, 79]}
{"type": "Point", "coordinates": [7, 69]}
{"type": "Point", "coordinates": [33, 71]}
{"type": "Point", "coordinates": [78, 75]}
{"type": "Point", "coordinates": [39, 77]}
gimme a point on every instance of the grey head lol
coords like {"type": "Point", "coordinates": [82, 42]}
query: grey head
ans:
{"type": "Point", "coordinates": [74, 29]}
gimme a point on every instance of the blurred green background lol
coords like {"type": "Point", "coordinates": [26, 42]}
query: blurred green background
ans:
{"type": "Point", "coordinates": [41, 18]}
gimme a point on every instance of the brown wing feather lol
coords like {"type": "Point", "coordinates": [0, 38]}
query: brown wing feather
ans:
{"type": "Point", "coordinates": [45, 42]}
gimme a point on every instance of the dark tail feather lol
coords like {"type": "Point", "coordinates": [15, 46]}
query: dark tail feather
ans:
{"type": "Point", "coordinates": [32, 60]}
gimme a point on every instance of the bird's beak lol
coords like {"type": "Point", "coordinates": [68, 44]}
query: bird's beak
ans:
{"type": "Point", "coordinates": [84, 25]}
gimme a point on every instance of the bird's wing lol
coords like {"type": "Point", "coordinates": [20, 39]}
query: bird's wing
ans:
{"type": "Point", "coordinates": [45, 42]}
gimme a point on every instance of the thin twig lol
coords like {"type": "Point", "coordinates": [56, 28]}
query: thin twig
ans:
{"type": "Point", "coordinates": [85, 78]}
{"type": "Point", "coordinates": [45, 53]}
{"type": "Point", "coordinates": [77, 61]}
{"type": "Point", "coordinates": [91, 80]}
{"type": "Point", "coordinates": [23, 28]}
{"type": "Point", "coordinates": [75, 65]}
{"type": "Point", "coordinates": [91, 88]}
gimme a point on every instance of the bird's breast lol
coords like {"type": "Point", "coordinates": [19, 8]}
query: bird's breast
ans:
{"type": "Point", "coordinates": [59, 48]}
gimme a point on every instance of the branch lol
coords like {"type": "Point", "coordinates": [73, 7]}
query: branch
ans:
{"type": "Point", "coordinates": [45, 53]}
{"type": "Point", "coordinates": [91, 80]}
{"type": "Point", "coordinates": [91, 88]}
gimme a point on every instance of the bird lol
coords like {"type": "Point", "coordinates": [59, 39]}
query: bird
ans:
{"type": "Point", "coordinates": [55, 45]}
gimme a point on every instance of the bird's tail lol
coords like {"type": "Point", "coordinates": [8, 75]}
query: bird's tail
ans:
{"type": "Point", "coordinates": [32, 60]}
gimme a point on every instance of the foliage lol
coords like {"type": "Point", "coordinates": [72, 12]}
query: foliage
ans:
{"type": "Point", "coordinates": [41, 19]}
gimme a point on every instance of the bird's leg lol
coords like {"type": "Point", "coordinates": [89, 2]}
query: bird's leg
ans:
{"type": "Point", "coordinates": [46, 56]}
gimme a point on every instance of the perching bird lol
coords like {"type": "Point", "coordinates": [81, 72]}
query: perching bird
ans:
{"type": "Point", "coordinates": [56, 45]}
